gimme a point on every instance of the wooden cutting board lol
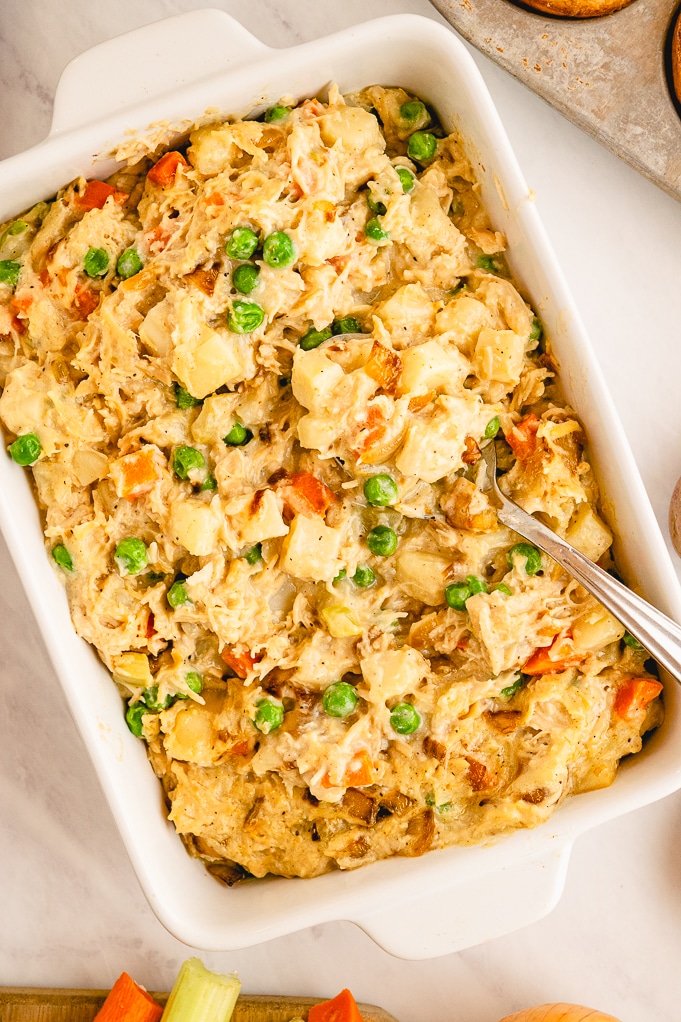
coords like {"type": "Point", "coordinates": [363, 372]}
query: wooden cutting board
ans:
{"type": "Point", "coordinates": [38, 1004]}
{"type": "Point", "coordinates": [608, 75]}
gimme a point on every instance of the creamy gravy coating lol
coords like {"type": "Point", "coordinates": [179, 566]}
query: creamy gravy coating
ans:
{"type": "Point", "coordinates": [251, 379]}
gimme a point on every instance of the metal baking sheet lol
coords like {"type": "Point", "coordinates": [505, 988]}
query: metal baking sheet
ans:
{"type": "Point", "coordinates": [607, 75]}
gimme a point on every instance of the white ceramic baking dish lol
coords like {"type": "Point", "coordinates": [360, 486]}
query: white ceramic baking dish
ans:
{"type": "Point", "coordinates": [414, 908]}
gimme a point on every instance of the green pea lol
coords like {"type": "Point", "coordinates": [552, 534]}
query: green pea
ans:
{"type": "Point", "coordinates": [278, 250]}
{"type": "Point", "coordinates": [241, 243]}
{"type": "Point", "coordinates": [503, 588]}
{"type": "Point", "coordinates": [347, 325]}
{"type": "Point", "coordinates": [341, 575]}
{"type": "Point", "coordinates": [406, 177]}
{"type": "Point", "coordinates": [313, 338]}
{"type": "Point", "coordinates": [128, 263]}
{"type": "Point", "coordinates": [382, 541]}
{"type": "Point", "coordinates": [381, 490]}
{"type": "Point", "coordinates": [254, 554]}
{"type": "Point", "coordinates": [194, 681]}
{"type": "Point", "coordinates": [96, 262]}
{"type": "Point", "coordinates": [457, 208]}
{"type": "Point", "coordinates": [26, 449]}
{"type": "Point", "coordinates": [154, 577]}
{"type": "Point", "coordinates": [456, 595]}
{"type": "Point", "coordinates": [268, 716]}
{"type": "Point", "coordinates": [133, 718]}
{"type": "Point", "coordinates": [150, 697]}
{"type": "Point", "coordinates": [177, 594]}
{"type": "Point", "coordinates": [183, 399]}
{"type": "Point", "coordinates": [364, 576]}
{"type": "Point", "coordinates": [131, 556]}
{"type": "Point", "coordinates": [476, 584]}
{"type": "Point", "coordinates": [533, 562]}
{"type": "Point", "coordinates": [9, 272]}
{"type": "Point", "coordinates": [422, 146]}
{"type": "Point", "coordinates": [536, 330]}
{"type": "Point", "coordinates": [374, 231]}
{"type": "Point", "coordinates": [62, 557]}
{"type": "Point", "coordinates": [187, 459]}
{"type": "Point", "coordinates": [488, 263]}
{"type": "Point", "coordinates": [209, 483]}
{"type": "Point", "coordinates": [404, 718]}
{"type": "Point", "coordinates": [492, 428]}
{"type": "Point", "coordinates": [245, 317]}
{"type": "Point", "coordinates": [414, 110]}
{"type": "Point", "coordinates": [276, 113]}
{"type": "Point", "coordinates": [245, 278]}
{"type": "Point", "coordinates": [339, 699]}
{"type": "Point", "coordinates": [18, 227]}
{"type": "Point", "coordinates": [511, 690]}
{"type": "Point", "coordinates": [633, 643]}
{"type": "Point", "coordinates": [237, 436]}
{"type": "Point", "coordinates": [376, 207]}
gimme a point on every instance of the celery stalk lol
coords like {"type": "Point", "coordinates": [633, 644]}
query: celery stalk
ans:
{"type": "Point", "coordinates": [200, 995]}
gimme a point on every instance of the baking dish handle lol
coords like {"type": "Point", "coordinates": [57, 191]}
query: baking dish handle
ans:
{"type": "Point", "coordinates": [474, 911]}
{"type": "Point", "coordinates": [135, 67]}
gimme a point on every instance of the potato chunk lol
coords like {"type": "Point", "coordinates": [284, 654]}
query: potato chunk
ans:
{"type": "Point", "coordinates": [194, 525]}
{"type": "Point", "coordinates": [311, 550]}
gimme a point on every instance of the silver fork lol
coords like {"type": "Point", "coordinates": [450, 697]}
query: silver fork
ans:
{"type": "Point", "coordinates": [654, 630]}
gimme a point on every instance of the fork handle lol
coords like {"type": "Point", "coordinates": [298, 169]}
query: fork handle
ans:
{"type": "Point", "coordinates": [658, 633]}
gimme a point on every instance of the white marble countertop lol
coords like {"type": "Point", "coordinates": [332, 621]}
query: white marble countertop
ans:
{"type": "Point", "coordinates": [71, 910]}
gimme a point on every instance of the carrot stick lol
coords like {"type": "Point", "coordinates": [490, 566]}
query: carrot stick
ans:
{"type": "Point", "coordinates": [128, 1002]}
{"type": "Point", "coordinates": [342, 1008]}
{"type": "Point", "coordinates": [553, 659]}
{"type": "Point", "coordinates": [522, 437]}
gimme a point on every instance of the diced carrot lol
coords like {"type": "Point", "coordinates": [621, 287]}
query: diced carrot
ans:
{"type": "Point", "coordinates": [522, 437]}
{"type": "Point", "coordinates": [44, 277]}
{"type": "Point", "coordinates": [634, 695]}
{"type": "Point", "coordinates": [135, 474]}
{"type": "Point", "coordinates": [163, 173]}
{"type": "Point", "coordinates": [157, 239]}
{"type": "Point", "coordinates": [95, 195]}
{"type": "Point", "coordinates": [359, 772]}
{"type": "Point", "coordinates": [19, 325]}
{"type": "Point", "coordinates": [421, 400]}
{"type": "Point", "coordinates": [241, 748]}
{"type": "Point", "coordinates": [559, 656]}
{"type": "Point", "coordinates": [129, 1002]}
{"type": "Point", "coordinates": [21, 303]}
{"type": "Point", "coordinates": [306, 495]}
{"type": "Point", "coordinates": [241, 663]}
{"type": "Point", "coordinates": [85, 300]}
{"type": "Point", "coordinates": [342, 1008]}
{"type": "Point", "coordinates": [215, 199]}
{"type": "Point", "coordinates": [384, 366]}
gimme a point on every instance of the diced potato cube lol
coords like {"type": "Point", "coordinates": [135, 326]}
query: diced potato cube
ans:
{"type": "Point", "coordinates": [589, 533]}
{"type": "Point", "coordinates": [499, 356]}
{"type": "Point", "coordinates": [596, 629]}
{"type": "Point", "coordinates": [463, 318]}
{"type": "Point", "coordinates": [433, 446]}
{"type": "Point", "coordinates": [314, 378]}
{"type": "Point", "coordinates": [189, 735]}
{"type": "Point", "coordinates": [318, 432]}
{"type": "Point", "coordinates": [156, 329]}
{"type": "Point", "coordinates": [407, 314]}
{"type": "Point", "coordinates": [210, 362]}
{"type": "Point", "coordinates": [422, 574]}
{"type": "Point", "coordinates": [340, 621]}
{"type": "Point", "coordinates": [194, 525]}
{"type": "Point", "coordinates": [311, 550]}
{"type": "Point", "coordinates": [215, 419]}
{"type": "Point", "coordinates": [133, 669]}
{"type": "Point", "coordinates": [429, 366]}
{"type": "Point", "coordinates": [393, 673]}
{"type": "Point", "coordinates": [355, 128]}
{"type": "Point", "coordinates": [261, 518]}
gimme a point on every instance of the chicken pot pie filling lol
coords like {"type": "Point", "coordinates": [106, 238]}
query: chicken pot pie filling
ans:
{"type": "Point", "coordinates": [252, 379]}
